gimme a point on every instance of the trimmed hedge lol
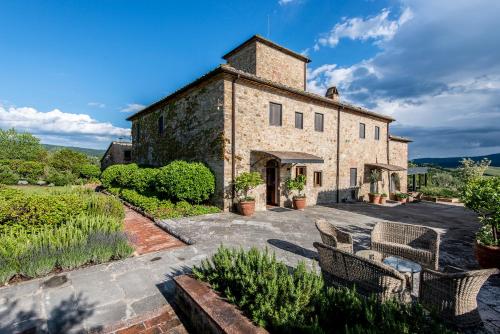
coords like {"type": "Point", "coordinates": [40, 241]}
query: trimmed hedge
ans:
{"type": "Point", "coordinates": [163, 209]}
{"type": "Point", "coordinates": [90, 171]}
{"type": "Point", "coordinates": [185, 181]}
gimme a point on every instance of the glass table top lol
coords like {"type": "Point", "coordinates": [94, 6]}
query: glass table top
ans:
{"type": "Point", "coordinates": [402, 265]}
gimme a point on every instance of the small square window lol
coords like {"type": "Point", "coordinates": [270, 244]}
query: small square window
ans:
{"type": "Point", "coordinates": [127, 155]}
{"type": "Point", "coordinates": [138, 132]}
{"type": "Point", "coordinates": [354, 177]}
{"type": "Point", "coordinates": [299, 120]}
{"type": "Point", "coordinates": [301, 170]}
{"type": "Point", "coordinates": [318, 179]}
{"type": "Point", "coordinates": [362, 127]}
{"type": "Point", "coordinates": [377, 133]}
{"type": "Point", "coordinates": [318, 122]}
{"type": "Point", "coordinates": [160, 125]}
{"type": "Point", "coordinates": [275, 114]}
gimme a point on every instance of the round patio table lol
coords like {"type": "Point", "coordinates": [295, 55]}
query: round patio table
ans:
{"type": "Point", "coordinates": [403, 266]}
{"type": "Point", "coordinates": [370, 254]}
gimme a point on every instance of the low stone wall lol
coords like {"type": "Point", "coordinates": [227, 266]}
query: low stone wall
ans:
{"type": "Point", "coordinates": [207, 311]}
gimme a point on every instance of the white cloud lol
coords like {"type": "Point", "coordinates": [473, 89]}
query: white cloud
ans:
{"type": "Point", "coordinates": [133, 107]}
{"type": "Point", "coordinates": [56, 126]}
{"type": "Point", "coordinates": [379, 27]}
{"type": "Point", "coordinates": [285, 2]}
{"type": "Point", "coordinates": [438, 75]}
{"type": "Point", "coordinates": [96, 105]}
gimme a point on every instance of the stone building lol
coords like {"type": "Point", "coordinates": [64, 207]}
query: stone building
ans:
{"type": "Point", "coordinates": [118, 152]}
{"type": "Point", "coordinates": [254, 114]}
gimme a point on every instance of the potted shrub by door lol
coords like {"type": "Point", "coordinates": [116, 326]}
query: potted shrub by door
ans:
{"type": "Point", "coordinates": [299, 183]}
{"type": "Point", "coordinates": [401, 197]}
{"type": "Point", "coordinates": [243, 184]}
{"type": "Point", "coordinates": [383, 198]}
{"type": "Point", "coordinates": [483, 196]}
{"type": "Point", "coordinates": [374, 198]}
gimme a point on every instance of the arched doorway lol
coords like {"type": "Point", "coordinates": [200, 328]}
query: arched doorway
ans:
{"type": "Point", "coordinates": [272, 177]}
{"type": "Point", "coordinates": [395, 183]}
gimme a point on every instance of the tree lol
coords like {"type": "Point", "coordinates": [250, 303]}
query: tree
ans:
{"type": "Point", "coordinates": [298, 184]}
{"type": "Point", "coordinates": [20, 145]}
{"type": "Point", "coordinates": [483, 196]}
{"type": "Point", "coordinates": [245, 182]}
{"type": "Point", "coordinates": [68, 160]}
{"type": "Point", "coordinates": [470, 170]}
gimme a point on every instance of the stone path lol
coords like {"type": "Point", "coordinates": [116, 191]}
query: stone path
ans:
{"type": "Point", "coordinates": [94, 297]}
{"type": "Point", "coordinates": [146, 236]}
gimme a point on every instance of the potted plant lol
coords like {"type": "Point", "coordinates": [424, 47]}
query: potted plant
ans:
{"type": "Point", "coordinates": [299, 183]}
{"type": "Point", "coordinates": [374, 196]}
{"type": "Point", "coordinates": [482, 195]}
{"type": "Point", "coordinates": [243, 184]}
{"type": "Point", "coordinates": [383, 198]}
{"type": "Point", "coordinates": [401, 197]}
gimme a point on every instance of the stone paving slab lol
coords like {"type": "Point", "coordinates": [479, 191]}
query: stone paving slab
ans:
{"type": "Point", "coordinates": [126, 289]}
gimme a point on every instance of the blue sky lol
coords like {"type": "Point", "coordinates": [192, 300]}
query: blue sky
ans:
{"type": "Point", "coordinates": [72, 71]}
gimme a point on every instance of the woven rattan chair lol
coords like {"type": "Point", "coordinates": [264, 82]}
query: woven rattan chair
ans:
{"type": "Point", "coordinates": [413, 242]}
{"type": "Point", "coordinates": [453, 294]}
{"type": "Point", "coordinates": [332, 236]}
{"type": "Point", "coordinates": [341, 268]}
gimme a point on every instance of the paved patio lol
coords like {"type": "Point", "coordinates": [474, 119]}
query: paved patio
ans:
{"type": "Point", "coordinates": [95, 297]}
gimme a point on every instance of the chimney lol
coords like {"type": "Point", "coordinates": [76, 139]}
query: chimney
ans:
{"type": "Point", "coordinates": [332, 93]}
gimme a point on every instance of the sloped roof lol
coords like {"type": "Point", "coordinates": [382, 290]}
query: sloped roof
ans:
{"type": "Point", "coordinates": [269, 43]}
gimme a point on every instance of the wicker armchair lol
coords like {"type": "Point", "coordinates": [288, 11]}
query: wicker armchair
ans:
{"type": "Point", "coordinates": [453, 293]}
{"type": "Point", "coordinates": [341, 268]}
{"type": "Point", "coordinates": [332, 236]}
{"type": "Point", "coordinates": [412, 242]}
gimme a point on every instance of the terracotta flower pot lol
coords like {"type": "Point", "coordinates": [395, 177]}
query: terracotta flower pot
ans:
{"type": "Point", "coordinates": [374, 198]}
{"type": "Point", "coordinates": [383, 199]}
{"type": "Point", "coordinates": [247, 208]}
{"type": "Point", "coordinates": [299, 203]}
{"type": "Point", "coordinates": [402, 200]}
{"type": "Point", "coordinates": [487, 256]}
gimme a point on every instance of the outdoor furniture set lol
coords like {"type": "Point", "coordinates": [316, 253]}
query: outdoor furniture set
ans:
{"type": "Point", "coordinates": [398, 252]}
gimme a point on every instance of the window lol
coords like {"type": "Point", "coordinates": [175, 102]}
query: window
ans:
{"type": "Point", "coordinates": [362, 130]}
{"type": "Point", "coordinates": [377, 133]}
{"type": "Point", "coordinates": [127, 155]}
{"type": "Point", "coordinates": [160, 125]}
{"type": "Point", "coordinates": [354, 177]}
{"type": "Point", "coordinates": [318, 179]}
{"type": "Point", "coordinates": [301, 170]}
{"type": "Point", "coordinates": [299, 120]}
{"type": "Point", "coordinates": [274, 114]}
{"type": "Point", "coordinates": [318, 122]}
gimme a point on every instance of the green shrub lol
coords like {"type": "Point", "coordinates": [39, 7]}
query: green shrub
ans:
{"type": "Point", "coordinates": [58, 178]}
{"type": "Point", "coordinates": [40, 209]}
{"type": "Point", "coordinates": [143, 180]}
{"type": "Point", "coordinates": [189, 181]}
{"type": "Point", "coordinates": [7, 270]}
{"type": "Point", "coordinates": [7, 175]}
{"type": "Point", "coordinates": [440, 192]}
{"type": "Point", "coordinates": [68, 160]}
{"type": "Point", "coordinates": [118, 175]}
{"type": "Point", "coordinates": [89, 171]}
{"type": "Point", "coordinates": [245, 182]}
{"type": "Point", "coordinates": [267, 293]}
{"type": "Point", "coordinates": [31, 171]}
{"type": "Point", "coordinates": [105, 205]}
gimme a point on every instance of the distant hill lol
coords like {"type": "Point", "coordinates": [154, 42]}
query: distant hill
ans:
{"type": "Point", "coordinates": [455, 161]}
{"type": "Point", "coordinates": [88, 151]}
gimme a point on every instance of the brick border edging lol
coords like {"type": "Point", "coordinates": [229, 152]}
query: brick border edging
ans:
{"type": "Point", "coordinates": [161, 223]}
{"type": "Point", "coordinates": [207, 311]}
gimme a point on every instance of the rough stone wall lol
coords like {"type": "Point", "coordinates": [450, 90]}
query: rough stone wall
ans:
{"type": "Point", "coordinates": [253, 132]}
{"type": "Point", "coordinates": [116, 155]}
{"type": "Point", "coordinates": [398, 155]}
{"type": "Point", "coordinates": [280, 67]}
{"type": "Point", "coordinates": [245, 59]}
{"type": "Point", "coordinates": [356, 152]}
{"type": "Point", "coordinates": [193, 131]}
